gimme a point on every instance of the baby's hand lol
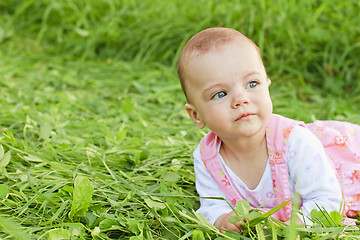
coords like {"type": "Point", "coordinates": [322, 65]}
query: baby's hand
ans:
{"type": "Point", "coordinates": [223, 223]}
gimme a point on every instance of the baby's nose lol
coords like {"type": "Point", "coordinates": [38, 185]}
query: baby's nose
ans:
{"type": "Point", "coordinates": [240, 99]}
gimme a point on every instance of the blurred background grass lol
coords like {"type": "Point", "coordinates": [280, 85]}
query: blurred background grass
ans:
{"type": "Point", "coordinates": [86, 81]}
{"type": "Point", "coordinates": [311, 44]}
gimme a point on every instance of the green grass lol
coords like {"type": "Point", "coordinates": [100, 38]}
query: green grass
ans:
{"type": "Point", "coordinates": [89, 94]}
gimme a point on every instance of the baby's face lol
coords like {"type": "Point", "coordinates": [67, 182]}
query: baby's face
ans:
{"type": "Point", "coordinates": [228, 90]}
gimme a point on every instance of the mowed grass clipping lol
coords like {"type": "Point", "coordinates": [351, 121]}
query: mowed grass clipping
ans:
{"type": "Point", "coordinates": [95, 141]}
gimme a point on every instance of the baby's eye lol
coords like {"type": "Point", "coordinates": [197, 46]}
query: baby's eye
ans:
{"type": "Point", "coordinates": [252, 84]}
{"type": "Point", "coordinates": [218, 95]}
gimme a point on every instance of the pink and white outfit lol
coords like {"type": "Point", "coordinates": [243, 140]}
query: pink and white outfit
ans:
{"type": "Point", "coordinates": [320, 161]}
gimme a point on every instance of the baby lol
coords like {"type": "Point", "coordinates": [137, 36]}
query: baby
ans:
{"type": "Point", "coordinates": [250, 152]}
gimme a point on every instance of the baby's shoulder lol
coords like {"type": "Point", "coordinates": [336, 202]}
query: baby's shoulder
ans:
{"type": "Point", "coordinates": [301, 135]}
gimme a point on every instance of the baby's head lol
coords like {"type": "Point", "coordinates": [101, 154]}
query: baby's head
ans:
{"type": "Point", "coordinates": [224, 81]}
{"type": "Point", "coordinates": [211, 39]}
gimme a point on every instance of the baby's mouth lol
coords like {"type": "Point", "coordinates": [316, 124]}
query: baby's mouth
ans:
{"type": "Point", "coordinates": [245, 116]}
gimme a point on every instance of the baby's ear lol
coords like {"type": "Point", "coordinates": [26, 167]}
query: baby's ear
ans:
{"type": "Point", "coordinates": [269, 81]}
{"type": "Point", "coordinates": [194, 116]}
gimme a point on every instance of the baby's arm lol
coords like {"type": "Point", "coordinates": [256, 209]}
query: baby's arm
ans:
{"type": "Point", "coordinates": [311, 173]}
{"type": "Point", "coordinates": [216, 211]}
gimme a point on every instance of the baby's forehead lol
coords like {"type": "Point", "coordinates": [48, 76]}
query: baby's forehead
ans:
{"type": "Point", "coordinates": [209, 40]}
{"type": "Point", "coordinates": [213, 42]}
{"type": "Point", "coordinates": [219, 50]}
{"type": "Point", "coordinates": [205, 43]}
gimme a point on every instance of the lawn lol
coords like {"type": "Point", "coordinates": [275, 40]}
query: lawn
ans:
{"type": "Point", "coordinates": [95, 142]}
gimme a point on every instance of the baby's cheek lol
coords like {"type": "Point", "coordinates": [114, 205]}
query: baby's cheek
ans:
{"type": "Point", "coordinates": [216, 123]}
